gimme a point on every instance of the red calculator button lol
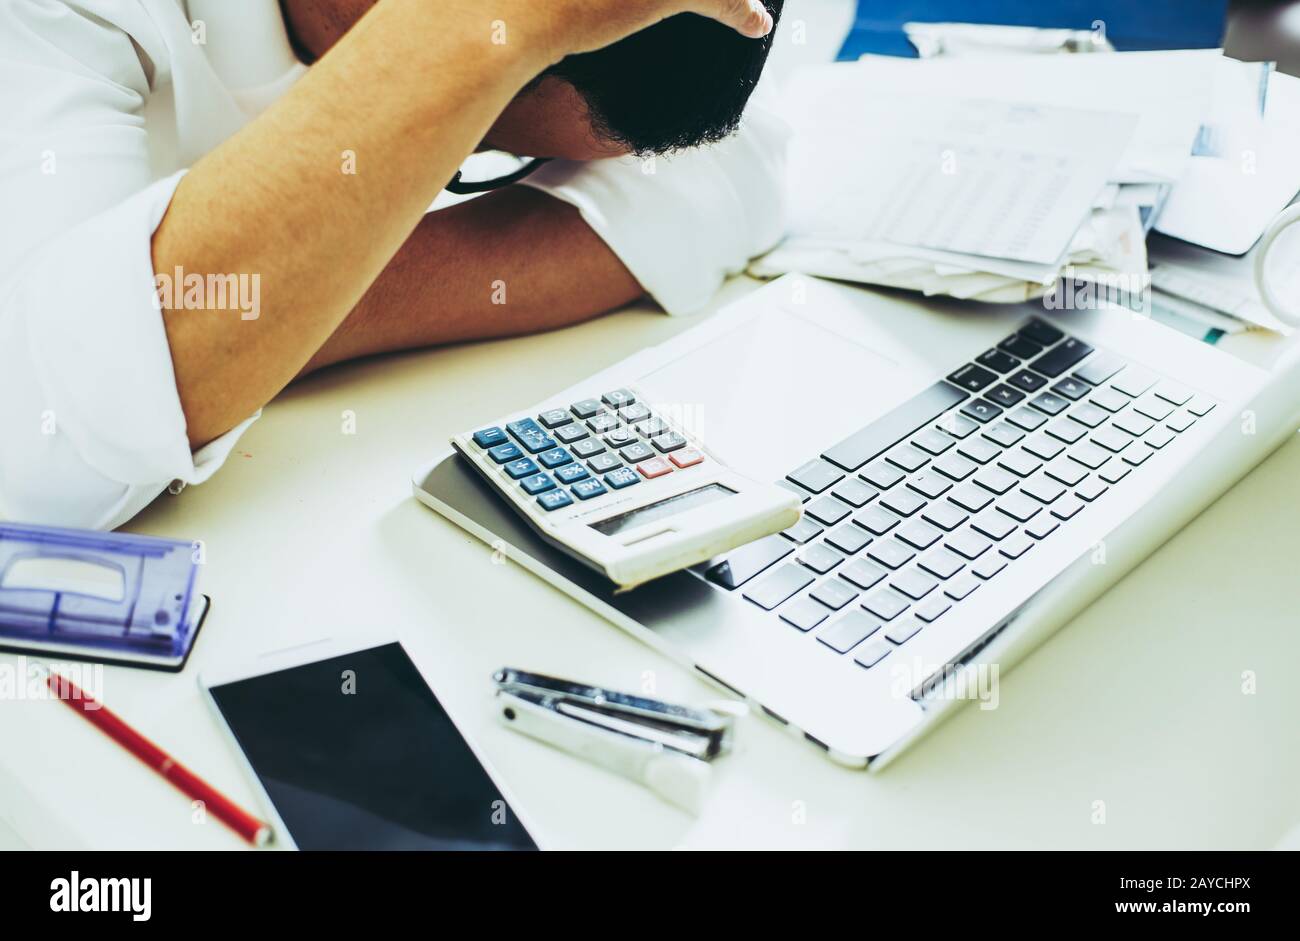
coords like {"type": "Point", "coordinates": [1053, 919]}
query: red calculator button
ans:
{"type": "Point", "coordinates": [686, 457]}
{"type": "Point", "coordinates": [655, 467]}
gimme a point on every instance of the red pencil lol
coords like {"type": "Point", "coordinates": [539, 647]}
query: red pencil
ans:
{"type": "Point", "coordinates": [246, 825]}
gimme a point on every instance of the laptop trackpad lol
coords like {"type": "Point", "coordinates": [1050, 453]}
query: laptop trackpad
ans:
{"type": "Point", "coordinates": [776, 391]}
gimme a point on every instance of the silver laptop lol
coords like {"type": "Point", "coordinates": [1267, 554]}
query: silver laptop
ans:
{"type": "Point", "coordinates": [971, 478]}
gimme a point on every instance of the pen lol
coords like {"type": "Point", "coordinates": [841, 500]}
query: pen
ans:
{"type": "Point", "coordinates": [246, 825]}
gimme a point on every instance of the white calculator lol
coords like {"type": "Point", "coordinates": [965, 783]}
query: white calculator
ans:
{"type": "Point", "coordinates": [616, 485]}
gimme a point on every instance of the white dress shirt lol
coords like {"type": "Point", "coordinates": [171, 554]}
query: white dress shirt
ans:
{"type": "Point", "coordinates": [103, 106]}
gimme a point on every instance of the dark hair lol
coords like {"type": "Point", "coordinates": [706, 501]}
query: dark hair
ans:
{"type": "Point", "coordinates": [679, 83]}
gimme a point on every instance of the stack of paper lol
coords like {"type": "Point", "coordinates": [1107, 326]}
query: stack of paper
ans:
{"type": "Point", "coordinates": [988, 177]}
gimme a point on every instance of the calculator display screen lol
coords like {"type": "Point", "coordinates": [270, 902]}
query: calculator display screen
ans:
{"type": "Point", "coordinates": [664, 508]}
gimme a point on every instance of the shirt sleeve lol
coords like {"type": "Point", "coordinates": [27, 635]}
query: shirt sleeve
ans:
{"type": "Point", "coordinates": [685, 222]}
{"type": "Point", "coordinates": [92, 424]}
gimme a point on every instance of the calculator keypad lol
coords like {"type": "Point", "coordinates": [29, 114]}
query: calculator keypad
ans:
{"type": "Point", "coordinates": [594, 446]}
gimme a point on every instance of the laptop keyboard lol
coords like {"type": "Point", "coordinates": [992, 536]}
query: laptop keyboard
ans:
{"type": "Point", "coordinates": [911, 515]}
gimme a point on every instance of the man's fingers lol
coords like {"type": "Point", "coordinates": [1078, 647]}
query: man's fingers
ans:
{"type": "Point", "coordinates": [747, 17]}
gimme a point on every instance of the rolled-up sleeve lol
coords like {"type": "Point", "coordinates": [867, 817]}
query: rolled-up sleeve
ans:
{"type": "Point", "coordinates": [91, 424]}
{"type": "Point", "coordinates": [683, 223]}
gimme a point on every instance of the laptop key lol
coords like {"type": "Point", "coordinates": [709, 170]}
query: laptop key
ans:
{"type": "Point", "coordinates": [902, 631]}
{"type": "Point", "coordinates": [1019, 507]}
{"type": "Point", "coordinates": [1004, 433]}
{"type": "Point", "coordinates": [1109, 399]}
{"type": "Point", "coordinates": [1135, 424]}
{"type": "Point", "coordinates": [1111, 439]}
{"type": "Point", "coordinates": [942, 563]}
{"type": "Point", "coordinates": [1042, 527]}
{"type": "Point", "coordinates": [1026, 381]}
{"type": "Point", "coordinates": [996, 480]}
{"type": "Point", "coordinates": [968, 544]}
{"type": "Point", "coordinates": [970, 498]}
{"type": "Point", "coordinates": [1100, 368]}
{"type": "Point", "coordinates": [835, 593]}
{"type": "Point", "coordinates": [993, 524]}
{"type": "Point", "coordinates": [1089, 415]}
{"type": "Point", "coordinates": [891, 553]}
{"type": "Point", "coordinates": [1041, 332]}
{"type": "Point", "coordinates": [849, 631]}
{"type": "Point", "coordinates": [1043, 489]}
{"type": "Point", "coordinates": [778, 586]}
{"type": "Point", "coordinates": [930, 486]}
{"type": "Point", "coordinates": [918, 534]}
{"type": "Point", "coordinates": [1171, 391]}
{"type": "Point", "coordinates": [1066, 471]}
{"type": "Point", "coordinates": [932, 608]}
{"type": "Point", "coordinates": [1040, 445]}
{"type": "Point", "coordinates": [957, 425]}
{"type": "Point", "coordinates": [1200, 405]}
{"type": "Point", "coordinates": [848, 538]}
{"type": "Point", "coordinates": [1026, 418]}
{"type": "Point", "coordinates": [1179, 421]}
{"type": "Point", "coordinates": [902, 502]}
{"type": "Point", "coordinates": [1061, 358]}
{"type": "Point", "coordinates": [1159, 438]}
{"type": "Point", "coordinates": [972, 378]}
{"type": "Point", "coordinates": [1137, 456]}
{"type": "Point", "coordinates": [882, 475]}
{"type": "Point", "coordinates": [817, 475]}
{"type": "Point", "coordinates": [821, 559]}
{"type": "Point", "coordinates": [1002, 394]}
{"type": "Point", "coordinates": [871, 653]}
{"type": "Point", "coordinates": [914, 583]}
{"type": "Point", "coordinates": [1016, 546]}
{"type": "Point", "coordinates": [989, 566]}
{"type": "Point", "coordinates": [1050, 403]}
{"type": "Point", "coordinates": [744, 562]}
{"type": "Point", "coordinates": [804, 614]}
{"type": "Point", "coordinates": [854, 492]}
{"type": "Point", "coordinates": [1090, 489]}
{"type": "Point", "coordinates": [981, 410]}
{"type": "Point", "coordinates": [944, 515]}
{"type": "Point", "coordinates": [894, 426]}
{"type": "Point", "coordinates": [979, 450]}
{"type": "Point", "coordinates": [1067, 508]}
{"type": "Point", "coordinates": [862, 573]}
{"type": "Point", "coordinates": [1133, 381]}
{"type": "Point", "coordinates": [876, 520]}
{"type": "Point", "coordinates": [1089, 455]}
{"type": "Point", "coordinates": [908, 458]}
{"type": "Point", "coordinates": [998, 361]}
{"type": "Point", "coordinates": [1071, 388]}
{"type": "Point", "coordinates": [827, 510]}
{"type": "Point", "coordinates": [955, 467]}
{"type": "Point", "coordinates": [1019, 463]}
{"type": "Point", "coordinates": [886, 604]}
{"type": "Point", "coordinates": [961, 586]}
{"type": "Point", "coordinates": [1115, 472]}
{"type": "Point", "coordinates": [932, 441]}
{"type": "Point", "coordinates": [1020, 346]}
{"type": "Point", "coordinates": [806, 530]}
{"type": "Point", "coordinates": [1066, 429]}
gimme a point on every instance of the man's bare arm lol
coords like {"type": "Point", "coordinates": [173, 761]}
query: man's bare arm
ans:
{"type": "Point", "coordinates": [411, 90]}
{"type": "Point", "coordinates": [514, 261]}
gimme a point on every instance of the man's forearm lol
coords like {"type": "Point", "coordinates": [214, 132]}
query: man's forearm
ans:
{"type": "Point", "coordinates": [515, 261]}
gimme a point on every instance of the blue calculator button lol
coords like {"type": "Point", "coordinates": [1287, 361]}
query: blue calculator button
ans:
{"type": "Point", "coordinates": [521, 468]}
{"type": "Point", "coordinates": [555, 457]}
{"type": "Point", "coordinates": [505, 452]}
{"type": "Point", "coordinates": [554, 500]}
{"type": "Point", "coordinates": [623, 477]}
{"type": "Point", "coordinates": [570, 473]}
{"type": "Point", "coordinates": [489, 437]}
{"type": "Point", "coordinates": [538, 483]}
{"type": "Point", "coordinates": [586, 489]}
{"type": "Point", "coordinates": [531, 435]}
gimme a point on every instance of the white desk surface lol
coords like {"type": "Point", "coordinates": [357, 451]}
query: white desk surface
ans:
{"type": "Point", "coordinates": [1137, 703]}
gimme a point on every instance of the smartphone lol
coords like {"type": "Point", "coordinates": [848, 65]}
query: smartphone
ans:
{"type": "Point", "coordinates": [352, 750]}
